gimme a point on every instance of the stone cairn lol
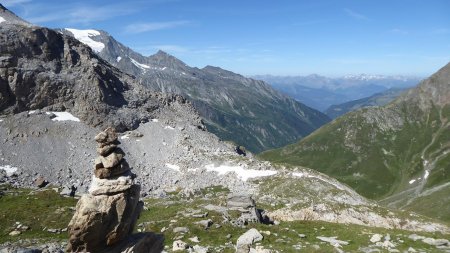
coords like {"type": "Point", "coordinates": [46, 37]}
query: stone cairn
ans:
{"type": "Point", "coordinates": [105, 217]}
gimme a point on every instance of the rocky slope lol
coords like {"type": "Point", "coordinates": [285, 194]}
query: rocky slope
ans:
{"type": "Point", "coordinates": [399, 153]}
{"type": "Point", "coordinates": [378, 99]}
{"type": "Point", "coordinates": [41, 69]}
{"type": "Point", "coordinates": [235, 108]}
{"type": "Point", "coordinates": [171, 157]}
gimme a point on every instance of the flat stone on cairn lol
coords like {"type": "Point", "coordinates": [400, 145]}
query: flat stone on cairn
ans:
{"type": "Point", "coordinates": [105, 217]}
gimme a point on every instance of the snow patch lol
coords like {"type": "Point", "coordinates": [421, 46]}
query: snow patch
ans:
{"type": "Point", "coordinates": [241, 173]}
{"type": "Point", "coordinates": [307, 175]}
{"type": "Point", "coordinates": [118, 58]}
{"type": "Point", "coordinates": [9, 170]}
{"type": "Point", "coordinates": [2, 19]}
{"type": "Point", "coordinates": [173, 167]}
{"type": "Point", "coordinates": [1, 120]}
{"type": "Point", "coordinates": [32, 112]}
{"type": "Point", "coordinates": [64, 116]}
{"type": "Point", "coordinates": [155, 120]}
{"type": "Point", "coordinates": [412, 181]}
{"type": "Point", "coordinates": [169, 127]}
{"type": "Point", "coordinates": [301, 174]}
{"type": "Point", "coordinates": [139, 65]}
{"type": "Point", "coordinates": [385, 152]}
{"type": "Point", "coordinates": [123, 137]}
{"type": "Point", "coordinates": [427, 173]}
{"type": "Point", "coordinates": [84, 37]}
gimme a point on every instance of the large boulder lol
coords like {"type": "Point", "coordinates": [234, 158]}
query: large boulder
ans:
{"type": "Point", "coordinates": [247, 208]}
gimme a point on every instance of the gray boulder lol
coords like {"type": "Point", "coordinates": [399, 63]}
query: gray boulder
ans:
{"type": "Point", "coordinates": [245, 241]}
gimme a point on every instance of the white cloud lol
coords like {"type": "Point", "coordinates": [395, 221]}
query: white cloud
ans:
{"type": "Point", "coordinates": [355, 14]}
{"type": "Point", "coordinates": [154, 26]}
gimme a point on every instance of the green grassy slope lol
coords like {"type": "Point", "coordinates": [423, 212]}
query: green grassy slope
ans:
{"type": "Point", "coordinates": [379, 151]}
{"type": "Point", "coordinates": [46, 209]}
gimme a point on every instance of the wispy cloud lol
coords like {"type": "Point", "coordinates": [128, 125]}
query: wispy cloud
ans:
{"type": "Point", "coordinates": [310, 22]}
{"type": "Point", "coordinates": [10, 3]}
{"type": "Point", "coordinates": [355, 14]}
{"type": "Point", "coordinates": [441, 31]}
{"type": "Point", "coordinates": [154, 26]}
{"type": "Point", "coordinates": [75, 13]}
{"type": "Point", "coordinates": [399, 31]}
{"type": "Point", "coordinates": [348, 61]}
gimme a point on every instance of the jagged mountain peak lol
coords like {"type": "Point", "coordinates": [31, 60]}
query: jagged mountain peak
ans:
{"type": "Point", "coordinates": [168, 60]}
{"type": "Point", "coordinates": [162, 53]}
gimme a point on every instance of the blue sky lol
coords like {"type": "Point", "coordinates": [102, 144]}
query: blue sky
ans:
{"type": "Point", "coordinates": [251, 37]}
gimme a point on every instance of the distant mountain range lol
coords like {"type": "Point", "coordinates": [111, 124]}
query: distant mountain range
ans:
{"type": "Point", "coordinates": [398, 153]}
{"type": "Point", "coordinates": [321, 92]}
{"type": "Point", "coordinates": [378, 99]}
{"type": "Point", "coordinates": [243, 110]}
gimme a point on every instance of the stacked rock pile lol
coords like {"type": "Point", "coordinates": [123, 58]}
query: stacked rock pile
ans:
{"type": "Point", "coordinates": [110, 161]}
{"type": "Point", "coordinates": [105, 217]}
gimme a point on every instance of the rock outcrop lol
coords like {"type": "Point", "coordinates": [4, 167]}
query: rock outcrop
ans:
{"type": "Point", "coordinates": [105, 217]}
{"type": "Point", "coordinates": [246, 206]}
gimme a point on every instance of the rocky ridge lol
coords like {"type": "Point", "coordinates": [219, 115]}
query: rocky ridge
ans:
{"type": "Point", "coordinates": [235, 108]}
